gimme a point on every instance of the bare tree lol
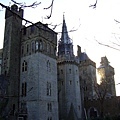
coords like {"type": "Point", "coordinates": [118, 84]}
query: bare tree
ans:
{"type": "Point", "coordinates": [101, 92]}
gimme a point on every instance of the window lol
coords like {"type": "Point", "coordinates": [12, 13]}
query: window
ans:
{"type": "Point", "coordinates": [22, 50]}
{"type": "Point", "coordinates": [70, 82]}
{"type": "Point", "coordinates": [70, 71]}
{"type": "Point", "coordinates": [77, 83]}
{"type": "Point", "coordinates": [41, 45]}
{"type": "Point", "coordinates": [79, 107]}
{"type": "Point", "coordinates": [24, 66]}
{"type": "Point", "coordinates": [36, 45]}
{"type": "Point", "coordinates": [48, 66]}
{"type": "Point", "coordinates": [23, 107]}
{"type": "Point", "coordinates": [49, 107]}
{"type": "Point", "coordinates": [49, 118]}
{"type": "Point", "coordinates": [24, 88]}
{"type": "Point", "coordinates": [27, 50]}
{"type": "Point", "coordinates": [61, 71]}
{"type": "Point", "coordinates": [33, 47]}
{"type": "Point", "coordinates": [48, 89]}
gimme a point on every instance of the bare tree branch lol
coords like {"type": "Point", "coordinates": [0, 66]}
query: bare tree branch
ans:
{"type": "Point", "coordinates": [107, 45]}
{"type": "Point", "coordinates": [51, 6]}
{"type": "Point", "coordinates": [94, 5]}
{"type": "Point", "coordinates": [23, 5]}
{"type": "Point", "coordinates": [116, 44]}
{"type": "Point", "coordinates": [116, 21]}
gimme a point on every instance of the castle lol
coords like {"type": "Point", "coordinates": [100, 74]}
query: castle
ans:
{"type": "Point", "coordinates": [41, 84]}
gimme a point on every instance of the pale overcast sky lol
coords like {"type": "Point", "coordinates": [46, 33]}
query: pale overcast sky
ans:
{"type": "Point", "coordinates": [94, 24]}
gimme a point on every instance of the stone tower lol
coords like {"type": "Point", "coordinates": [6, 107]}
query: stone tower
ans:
{"type": "Point", "coordinates": [87, 71]}
{"type": "Point", "coordinates": [38, 73]}
{"type": "Point", "coordinates": [11, 57]}
{"type": "Point", "coordinates": [106, 73]}
{"type": "Point", "coordinates": [68, 79]}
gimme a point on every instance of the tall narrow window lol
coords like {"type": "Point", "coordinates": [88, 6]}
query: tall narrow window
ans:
{"type": "Point", "coordinates": [48, 89]}
{"type": "Point", "coordinates": [27, 50]}
{"type": "Point", "coordinates": [70, 82]}
{"type": "Point", "coordinates": [24, 66]}
{"type": "Point", "coordinates": [22, 50]}
{"type": "Point", "coordinates": [49, 107]}
{"type": "Point", "coordinates": [36, 45]}
{"type": "Point", "coordinates": [24, 89]}
{"type": "Point", "coordinates": [41, 45]}
{"type": "Point", "coordinates": [70, 71]}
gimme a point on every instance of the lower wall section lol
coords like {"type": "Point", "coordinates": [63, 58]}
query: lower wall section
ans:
{"type": "Point", "coordinates": [42, 110]}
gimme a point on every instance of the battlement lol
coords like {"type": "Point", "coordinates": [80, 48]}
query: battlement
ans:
{"type": "Point", "coordinates": [39, 30]}
{"type": "Point", "coordinates": [87, 62]}
{"type": "Point", "coordinates": [10, 11]}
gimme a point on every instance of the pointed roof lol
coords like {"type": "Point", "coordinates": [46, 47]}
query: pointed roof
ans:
{"type": "Point", "coordinates": [65, 45]}
{"type": "Point", "coordinates": [65, 37]}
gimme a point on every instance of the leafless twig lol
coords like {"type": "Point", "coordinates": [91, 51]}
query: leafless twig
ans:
{"type": "Point", "coordinates": [51, 6]}
{"type": "Point", "coordinates": [107, 45]}
{"type": "Point", "coordinates": [23, 5]}
{"type": "Point", "coordinates": [94, 5]}
{"type": "Point", "coordinates": [116, 21]}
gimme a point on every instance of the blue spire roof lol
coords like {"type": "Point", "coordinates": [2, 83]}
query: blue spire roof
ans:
{"type": "Point", "coordinates": [65, 37]}
{"type": "Point", "coordinates": [65, 45]}
{"type": "Point", "coordinates": [83, 56]}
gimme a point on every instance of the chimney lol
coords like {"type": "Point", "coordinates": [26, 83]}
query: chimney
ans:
{"type": "Point", "coordinates": [78, 50]}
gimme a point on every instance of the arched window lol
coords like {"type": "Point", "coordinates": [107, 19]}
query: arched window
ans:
{"type": "Point", "coordinates": [24, 66]}
{"type": "Point", "coordinates": [36, 45]}
{"type": "Point", "coordinates": [41, 45]}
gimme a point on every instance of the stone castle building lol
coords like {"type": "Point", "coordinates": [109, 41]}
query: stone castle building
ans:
{"type": "Point", "coordinates": [41, 84]}
{"type": "Point", "coordinates": [106, 72]}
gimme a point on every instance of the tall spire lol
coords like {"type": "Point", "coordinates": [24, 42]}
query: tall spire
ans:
{"type": "Point", "coordinates": [65, 45]}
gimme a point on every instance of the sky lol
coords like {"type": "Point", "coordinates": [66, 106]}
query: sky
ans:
{"type": "Point", "coordinates": [90, 25]}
